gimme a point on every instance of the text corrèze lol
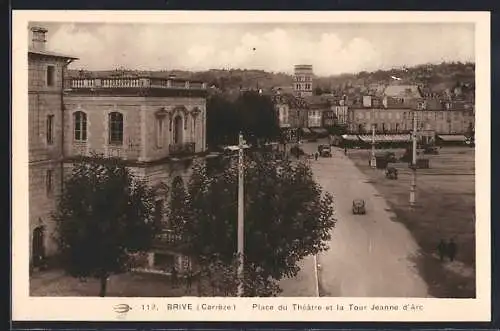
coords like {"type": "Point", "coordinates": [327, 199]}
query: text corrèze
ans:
{"type": "Point", "coordinates": [201, 306]}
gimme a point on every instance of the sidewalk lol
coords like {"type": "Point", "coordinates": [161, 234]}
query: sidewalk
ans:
{"type": "Point", "coordinates": [56, 283]}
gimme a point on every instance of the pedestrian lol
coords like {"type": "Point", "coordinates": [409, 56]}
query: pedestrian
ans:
{"type": "Point", "coordinates": [441, 249]}
{"type": "Point", "coordinates": [452, 250]}
{"type": "Point", "coordinates": [174, 275]}
{"type": "Point", "coordinates": [345, 150]}
{"type": "Point", "coordinates": [316, 156]}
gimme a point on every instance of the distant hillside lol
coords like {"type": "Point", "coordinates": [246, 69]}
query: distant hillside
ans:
{"type": "Point", "coordinates": [435, 79]}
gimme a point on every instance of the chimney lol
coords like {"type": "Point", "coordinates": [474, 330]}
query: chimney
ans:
{"type": "Point", "coordinates": [38, 40]}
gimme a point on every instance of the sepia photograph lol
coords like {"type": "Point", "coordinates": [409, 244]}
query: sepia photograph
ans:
{"type": "Point", "coordinates": [252, 159]}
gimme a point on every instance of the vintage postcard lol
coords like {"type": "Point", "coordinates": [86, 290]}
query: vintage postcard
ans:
{"type": "Point", "coordinates": [251, 166]}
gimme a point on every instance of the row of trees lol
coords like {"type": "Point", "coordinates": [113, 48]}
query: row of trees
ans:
{"type": "Point", "coordinates": [251, 113]}
{"type": "Point", "coordinates": [106, 214]}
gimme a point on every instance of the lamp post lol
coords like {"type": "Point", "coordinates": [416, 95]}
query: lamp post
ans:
{"type": "Point", "coordinates": [241, 228]}
{"type": "Point", "coordinates": [373, 159]}
{"type": "Point", "coordinates": [413, 187]}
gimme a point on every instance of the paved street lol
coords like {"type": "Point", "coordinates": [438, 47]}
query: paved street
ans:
{"type": "Point", "coordinates": [369, 255]}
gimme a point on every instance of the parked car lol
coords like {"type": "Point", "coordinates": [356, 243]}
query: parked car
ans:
{"type": "Point", "coordinates": [431, 150]}
{"type": "Point", "coordinates": [358, 207]}
{"type": "Point", "coordinates": [325, 150]}
{"type": "Point", "coordinates": [391, 173]}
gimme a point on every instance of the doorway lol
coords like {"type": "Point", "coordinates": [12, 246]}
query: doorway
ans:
{"type": "Point", "coordinates": [38, 246]}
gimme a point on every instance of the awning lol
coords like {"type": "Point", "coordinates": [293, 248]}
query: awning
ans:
{"type": "Point", "coordinates": [350, 137]}
{"type": "Point", "coordinates": [452, 137]}
{"type": "Point", "coordinates": [385, 138]}
{"type": "Point", "coordinates": [365, 138]}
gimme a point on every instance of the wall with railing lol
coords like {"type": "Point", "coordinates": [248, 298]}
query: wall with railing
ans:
{"type": "Point", "coordinates": [95, 83]}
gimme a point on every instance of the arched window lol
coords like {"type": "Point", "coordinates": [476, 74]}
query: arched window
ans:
{"type": "Point", "coordinates": [115, 128]}
{"type": "Point", "coordinates": [80, 126]}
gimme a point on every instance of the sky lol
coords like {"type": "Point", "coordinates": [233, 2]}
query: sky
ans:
{"type": "Point", "coordinates": [331, 48]}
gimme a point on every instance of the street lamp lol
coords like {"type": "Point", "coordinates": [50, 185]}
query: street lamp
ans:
{"type": "Point", "coordinates": [241, 227]}
{"type": "Point", "coordinates": [373, 159]}
{"type": "Point", "coordinates": [413, 187]}
{"type": "Point", "coordinates": [241, 201]}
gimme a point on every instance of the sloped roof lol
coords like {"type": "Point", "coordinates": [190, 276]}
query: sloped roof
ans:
{"type": "Point", "coordinates": [51, 54]}
{"type": "Point", "coordinates": [403, 91]}
{"type": "Point", "coordinates": [434, 104]}
{"type": "Point", "coordinates": [291, 100]}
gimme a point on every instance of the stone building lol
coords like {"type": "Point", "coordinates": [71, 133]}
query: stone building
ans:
{"type": "Point", "coordinates": [292, 111]}
{"type": "Point", "coordinates": [303, 80]}
{"type": "Point", "coordinates": [157, 125]}
{"type": "Point", "coordinates": [46, 116]}
{"type": "Point", "coordinates": [394, 115]}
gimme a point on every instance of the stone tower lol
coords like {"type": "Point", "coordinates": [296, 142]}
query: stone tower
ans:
{"type": "Point", "coordinates": [303, 80]}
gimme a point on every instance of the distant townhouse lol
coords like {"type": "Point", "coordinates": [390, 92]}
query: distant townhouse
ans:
{"type": "Point", "coordinates": [292, 111]}
{"type": "Point", "coordinates": [393, 114]}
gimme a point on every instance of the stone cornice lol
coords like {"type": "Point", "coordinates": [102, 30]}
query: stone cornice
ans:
{"type": "Point", "coordinates": [136, 92]}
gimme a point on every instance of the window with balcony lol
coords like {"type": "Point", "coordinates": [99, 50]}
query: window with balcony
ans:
{"type": "Point", "coordinates": [115, 128]}
{"type": "Point", "coordinates": [51, 75]}
{"type": "Point", "coordinates": [50, 129]}
{"type": "Point", "coordinates": [80, 126]}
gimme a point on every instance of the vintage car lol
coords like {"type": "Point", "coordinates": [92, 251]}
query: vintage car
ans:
{"type": "Point", "coordinates": [391, 173]}
{"type": "Point", "coordinates": [325, 150]}
{"type": "Point", "coordinates": [358, 207]}
{"type": "Point", "coordinates": [431, 150]}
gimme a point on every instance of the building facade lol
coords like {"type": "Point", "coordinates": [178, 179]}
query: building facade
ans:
{"type": "Point", "coordinates": [393, 114]}
{"type": "Point", "coordinates": [400, 120]}
{"type": "Point", "coordinates": [314, 118]}
{"type": "Point", "coordinates": [45, 146]}
{"type": "Point", "coordinates": [303, 80]}
{"type": "Point", "coordinates": [292, 111]}
{"type": "Point", "coordinates": [157, 125]}
{"type": "Point", "coordinates": [341, 114]}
